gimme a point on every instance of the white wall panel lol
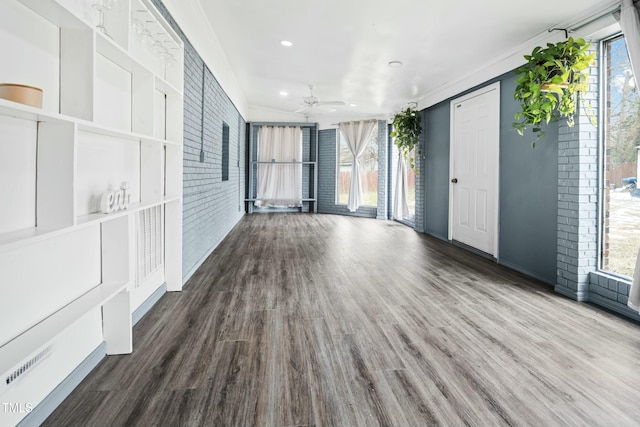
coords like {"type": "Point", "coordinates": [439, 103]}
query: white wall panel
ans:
{"type": "Point", "coordinates": [30, 57]}
{"type": "Point", "coordinates": [41, 278]}
{"type": "Point", "coordinates": [18, 141]}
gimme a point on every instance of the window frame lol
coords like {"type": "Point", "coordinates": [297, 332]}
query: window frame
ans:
{"type": "Point", "coordinates": [373, 140]}
{"type": "Point", "coordinates": [603, 116]}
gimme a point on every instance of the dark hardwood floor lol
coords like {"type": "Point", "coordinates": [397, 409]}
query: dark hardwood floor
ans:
{"type": "Point", "coordinates": [301, 319]}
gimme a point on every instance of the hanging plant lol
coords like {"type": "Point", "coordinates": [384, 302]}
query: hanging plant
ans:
{"type": "Point", "coordinates": [406, 134]}
{"type": "Point", "coordinates": [548, 83]}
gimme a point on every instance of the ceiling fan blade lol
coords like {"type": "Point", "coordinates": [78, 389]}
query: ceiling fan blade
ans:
{"type": "Point", "coordinates": [302, 109]}
{"type": "Point", "coordinates": [315, 109]}
{"type": "Point", "coordinates": [331, 103]}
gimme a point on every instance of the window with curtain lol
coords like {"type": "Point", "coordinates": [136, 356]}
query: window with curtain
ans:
{"type": "Point", "coordinates": [279, 178]}
{"type": "Point", "coordinates": [404, 194]}
{"type": "Point", "coordinates": [620, 231]}
{"type": "Point", "coordinates": [368, 171]}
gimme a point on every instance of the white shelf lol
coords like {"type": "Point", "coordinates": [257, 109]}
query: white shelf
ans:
{"type": "Point", "coordinates": [31, 235]}
{"type": "Point", "coordinates": [26, 112]}
{"type": "Point", "coordinates": [11, 240]}
{"type": "Point", "coordinates": [13, 352]}
{"type": "Point", "coordinates": [171, 199]}
{"type": "Point", "coordinates": [57, 14]}
{"type": "Point", "coordinates": [100, 217]}
{"type": "Point", "coordinates": [166, 87]}
{"type": "Point", "coordinates": [112, 51]}
{"type": "Point", "coordinates": [112, 113]}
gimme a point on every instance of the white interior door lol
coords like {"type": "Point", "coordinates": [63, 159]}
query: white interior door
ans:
{"type": "Point", "coordinates": [473, 201]}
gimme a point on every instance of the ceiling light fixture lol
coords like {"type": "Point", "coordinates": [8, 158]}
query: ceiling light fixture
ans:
{"type": "Point", "coordinates": [283, 93]}
{"type": "Point", "coordinates": [395, 64]}
{"type": "Point", "coordinates": [286, 43]}
{"type": "Point", "coordinates": [352, 105]}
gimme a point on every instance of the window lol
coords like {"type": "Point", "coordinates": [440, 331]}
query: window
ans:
{"type": "Point", "coordinates": [225, 152]}
{"type": "Point", "coordinates": [368, 172]}
{"type": "Point", "coordinates": [620, 231]}
{"type": "Point", "coordinates": [411, 187]}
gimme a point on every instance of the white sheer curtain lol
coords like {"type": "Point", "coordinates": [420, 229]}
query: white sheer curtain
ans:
{"type": "Point", "coordinates": [401, 194]}
{"type": "Point", "coordinates": [630, 24]}
{"type": "Point", "coordinates": [357, 135]}
{"type": "Point", "coordinates": [279, 185]}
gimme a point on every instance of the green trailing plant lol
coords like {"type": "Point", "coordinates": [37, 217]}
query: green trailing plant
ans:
{"type": "Point", "coordinates": [406, 134]}
{"type": "Point", "coordinates": [548, 83]}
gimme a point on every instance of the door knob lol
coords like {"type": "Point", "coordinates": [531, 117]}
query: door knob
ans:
{"type": "Point", "coordinates": [454, 180]}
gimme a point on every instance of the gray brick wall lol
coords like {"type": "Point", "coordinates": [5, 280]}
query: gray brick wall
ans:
{"type": "Point", "coordinates": [611, 292]}
{"type": "Point", "coordinates": [419, 224]}
{"type": "Point", "coordinates": [327, 176]}
{"type": "Point", "coordinates": [577, 234]}
{"type": "Point", "coordinates": [211, 207]}
{"type": "Point", "coordinates": [383, 164]}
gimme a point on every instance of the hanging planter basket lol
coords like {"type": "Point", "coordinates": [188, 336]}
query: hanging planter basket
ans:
{"type": "Point", "coordinates": [406, 134]}
{"type": "Point", "coordinates": [548, 83]}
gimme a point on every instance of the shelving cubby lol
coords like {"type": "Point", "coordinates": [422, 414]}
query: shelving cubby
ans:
{"type": "Point", "coordinates": [112, 112]}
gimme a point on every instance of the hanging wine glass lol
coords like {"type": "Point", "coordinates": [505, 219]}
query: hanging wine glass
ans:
{"type": "Point", "coordinates": [146, 37]}
{"type": "Point", "coordinates": [137, 27]}
{"type": "Point", "coordinates": [102, 6]}
{"type": "Point", "coordinates": [158, 48]}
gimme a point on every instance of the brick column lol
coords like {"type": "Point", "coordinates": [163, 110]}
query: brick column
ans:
{"type": "Point", "coordinates": [578, 198]}
{"type": "Point", "coordinates": [383, 152]}
{"type": "Point", "coordinates": [421, 151]}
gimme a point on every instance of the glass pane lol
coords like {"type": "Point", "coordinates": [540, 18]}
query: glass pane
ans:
{"type": "Point", "coordinates": [411, 187]}
{"type": "Point", "coordinates": [368, 173]}
{"type": "Point", "coordinates": [621, 228]}
{"type": "Point", "coordinates": [344, 171]}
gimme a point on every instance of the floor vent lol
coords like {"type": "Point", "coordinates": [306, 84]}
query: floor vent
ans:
{"type": "Point", "coordinates": [26, 366]}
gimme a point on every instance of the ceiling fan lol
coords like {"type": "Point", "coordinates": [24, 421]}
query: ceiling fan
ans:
{"type": "Point", "coordinates": [313, 104]}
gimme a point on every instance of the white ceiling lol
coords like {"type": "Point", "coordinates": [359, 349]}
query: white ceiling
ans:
{"type": "Point", "coordinates": [343, 47]}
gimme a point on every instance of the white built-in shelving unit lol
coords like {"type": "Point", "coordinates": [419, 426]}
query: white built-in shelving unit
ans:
{"type": "Point", "coordinates": [112, 113]}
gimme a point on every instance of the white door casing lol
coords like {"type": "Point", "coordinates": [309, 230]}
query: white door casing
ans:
{"type": "Point", "coordinates": [474, 169]}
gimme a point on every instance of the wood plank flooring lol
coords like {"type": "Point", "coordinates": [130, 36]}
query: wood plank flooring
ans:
{"type": "Point", "coordinates": [320, 320]}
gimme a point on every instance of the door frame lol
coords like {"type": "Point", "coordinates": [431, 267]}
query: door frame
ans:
{"type": "Point", "coordinates": [486, 89]}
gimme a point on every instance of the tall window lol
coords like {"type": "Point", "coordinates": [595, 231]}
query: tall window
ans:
{"type": "Point", "coordinates": [411, 186]}
{"type": "Point", "coordinates": [621, 200]}
{"type": "Point", "coordinates": [225, 152]}
{"type": "Point", "coordinates": [368, 172]}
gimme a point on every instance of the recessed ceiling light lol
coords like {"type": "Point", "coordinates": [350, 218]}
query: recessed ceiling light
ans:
{"type": "Point", "coordinates": [286, 43]}
{"type": "Point", "coordinates": [395, 64]}
{"type": "Point", "coordinates": [352, 105]}
{"type": "Point", "coordinates": [283, 93]}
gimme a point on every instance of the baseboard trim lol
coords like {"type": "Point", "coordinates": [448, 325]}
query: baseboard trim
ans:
{"type": "Point", "coordinates": [616, 307]}
{"type": "Point", "coordinates": [49, 404]}
{"type": "Point", "coordinates": [580, 296]}
{"type": "Point", "coordinates": [139, 312]}
{"type": "Point", "coordinates": [524, 271]}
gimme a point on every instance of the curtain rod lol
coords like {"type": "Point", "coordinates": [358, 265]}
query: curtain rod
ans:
{"type": "Point", "coordinates": [609, 11]}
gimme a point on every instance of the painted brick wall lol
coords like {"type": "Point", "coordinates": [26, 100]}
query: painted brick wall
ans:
{"type": "Point", "coordinates": [327, 176]}
{"type": "Point", "coordinates": [577, 253]}
{"type": "Point", "coordinates": [211, 207]}
{"type": "Point", "coordinates": [419, 224]}
{"type": "Point", "coordinates": [611, 292]}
